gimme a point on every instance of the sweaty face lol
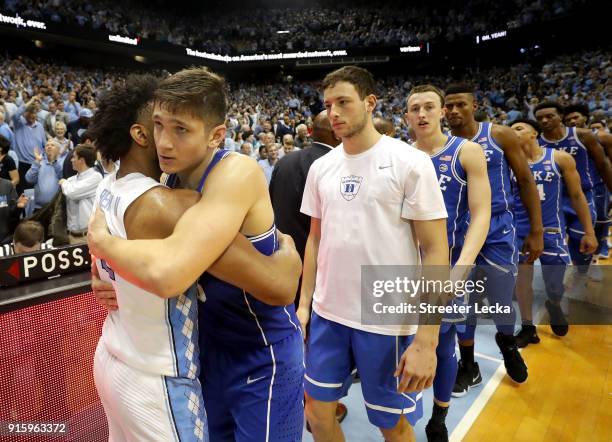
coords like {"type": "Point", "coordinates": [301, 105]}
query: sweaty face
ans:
{"type": "Point", "coordinates": [346, 111]}
{"type": "Point", "coordinates": [460, 109]}
{"type": "Point", "coordinates": [548, 118]}
{"type": "Point", "coordinates": [424, 113]}
{"type": "Point", "coordinates": [575, 119]}
{"type": "Point", "coordinates": [181, 139]}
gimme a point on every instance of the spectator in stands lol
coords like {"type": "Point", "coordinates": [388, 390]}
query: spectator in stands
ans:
{"type": "Point", "coordinates": [288, 146]}
{"type": "Point", "coordinates": [53, 117]}
{"type": "Point", "coordinates": [5, 130]}
{"type": "Point", "coordinates": [284, 127]}
{"type": "Point", "coordinates": [8, 169]}
{"type": "Point", "coordinates": [45, 173]}
{"type": "Point", "coordinates": [246, 149]}
{"type": "Point", "coordinates": [72, 107]}
{"type": "Point", "coordinates": [80, 192]}
{"type": "Point", "coordinates": [29, 137]}
{"type": "Point", "coordinates": [302, 139]}
{"type": "Point", "coordinates": [68, 171]}
{"type": "Point", "coordinates": [267, 165]}
{"type": "Point", "coordinates": [384, 127]}
{"type": "Point", "coordinates": [65, 144]}
{"type": "Point", "coordinates": [29, 237]}
{"type": "Point", "coordinates": [262, 153]}
{"type": "Point", "coordinates": [8, 208]}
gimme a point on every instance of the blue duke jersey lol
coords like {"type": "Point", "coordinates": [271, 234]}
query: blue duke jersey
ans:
{"type": "Point", "coordinates": [232, 316]}
{"type": "Point", "coordinates": [453, 183]}
{"type": "Point", "coordinates": [497, 170]}
{"type": "Point", "coordinates": [597, 180]}
{"type": "Point", "coordinates": [549, 183]}
{"type": "Point", "coordinates": [571, 144]}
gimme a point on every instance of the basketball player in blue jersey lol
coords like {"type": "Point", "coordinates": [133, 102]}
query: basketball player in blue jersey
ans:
{"type": "Point", "coordinates": [461, 168]}
{"type": "Point", "coordinates": [132, 351]}
{"type": "Point", "coordinates": [590, 161]}
{"type": "Point", "coordinates": [577, 116]}
{"type": "Point", "coordinates": [251, 351]}
{"type": "Point", "coordinates": [554, 171]}
{"type": "Point", "coordinates": [498, 257]}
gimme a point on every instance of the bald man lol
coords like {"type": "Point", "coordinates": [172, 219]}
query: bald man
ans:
{"type": "Point", "coordinates": [384, 127]}
{"type": "Point", "coordinates": [286, 190]}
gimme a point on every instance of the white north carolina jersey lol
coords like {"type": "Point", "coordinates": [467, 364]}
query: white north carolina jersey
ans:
{"type": "Point", "coordinates": [147, 332]}
{"type": "Point", "coordinates": [364, 202]}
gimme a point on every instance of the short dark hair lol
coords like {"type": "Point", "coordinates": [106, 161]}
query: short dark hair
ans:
{"type": "Point", "coordinates": [549, 105]}
{"type": "Point", "coordinates": [87, 152]}
{"type": "Point", "coordinates": [197, 91]}
{"type": "Point", "coordinates": [27, 233]}
{"type": "Point", "coordinates": [31, 109]}
{"type": "Point", "coordinates": [580, 108]}
{"type": "Point", "coordinates": [528, 121]}
{"type": "Point", "coordinates": [118, 109]}
{"type": "Point", "coordinates": [460, 88]}
{"type": "Point", "coordinates": [5, 145]}
{"type": "Point", "coordinates": [360, 78]}
{"type": "Point", "coordinates": [426, 88]}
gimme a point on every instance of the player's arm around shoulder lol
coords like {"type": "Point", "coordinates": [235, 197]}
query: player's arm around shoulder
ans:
{"type": "Point", "coordinates": [474, 163]}
{"type": "Point", "coordinates": [169, 266]}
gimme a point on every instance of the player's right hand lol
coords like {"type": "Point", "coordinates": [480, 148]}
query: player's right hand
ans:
{"type": "Point", "coordinates": [303, 315]}
{"type": "Point", "coordinates": [103, 291]}
{"type": "Point", "coordinates": [588, 244]}
{"type": "Point", "coordinates": [289, 258]}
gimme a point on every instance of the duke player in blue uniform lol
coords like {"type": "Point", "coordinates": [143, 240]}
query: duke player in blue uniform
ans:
{"type": "Point", "coordinates": [461, 168]}
{"type": "Point", "coordinates": [578, 116]}
{"type": "Point", "coordinates": [498, 258]}
{"type": "Point", "coordinates": [554, 172]}
{"type": "Point", "coordinates": [591, 162]}
{"type": "Point", "coordinates": [252, 355]}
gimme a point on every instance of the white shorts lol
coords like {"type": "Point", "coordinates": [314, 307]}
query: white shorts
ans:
{"type": "Point", "coordinates": [141, 406]}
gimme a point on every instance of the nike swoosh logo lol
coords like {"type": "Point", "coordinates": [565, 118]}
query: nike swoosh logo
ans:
{"type": "Point", "coordinates": [475, 379]}
{"type": "Point", "coordinates": [250, 381]}
{"type": "Point", "coordinates": [385, 167]}
{"type": "Point", "coordinates": [507, 231]}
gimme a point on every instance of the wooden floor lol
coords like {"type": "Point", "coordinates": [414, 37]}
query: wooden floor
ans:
{"type": "Point", "coordinates": [568, 396]}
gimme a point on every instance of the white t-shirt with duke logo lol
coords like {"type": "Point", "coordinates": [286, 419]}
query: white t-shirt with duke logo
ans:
{"type": "Point", "coordinates": [365, 202]}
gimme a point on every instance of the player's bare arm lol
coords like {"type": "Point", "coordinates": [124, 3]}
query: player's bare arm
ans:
{"type": "Point", "coordinates": [534, 242]}
{"type": "Point", "coordinates": [571, 179]}
{"type": "Point", "coordinates": [598, 155]}
{"type": "Point", "coordinates": [166, 266]}
{"type": "Point", "coordinates": [309, 274]}
{"type": "Point", "coordinates": [417, 365]}
{"type": "Point", "coordinates": [474, 163]}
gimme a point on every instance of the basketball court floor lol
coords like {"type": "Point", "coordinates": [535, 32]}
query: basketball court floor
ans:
{"type": "Point", "coordinates": [568, 396]}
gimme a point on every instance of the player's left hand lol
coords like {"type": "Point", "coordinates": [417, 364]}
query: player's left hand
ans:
{"type": "Point", "coordinates": [588, 244]}
{"type": "Point", "coordinates": [417, 367]}
{"type": "Point", "coordinates": [533, 246]}
{"type": "Point", "coordinates": [97, 231]}
{"type": "Point", "coordinates": [103, 291]}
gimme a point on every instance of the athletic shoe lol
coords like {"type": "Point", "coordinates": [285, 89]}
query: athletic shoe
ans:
{"type": "Point", "coordinates": [558, 323]}
{"type": "Point", "coordinates": [604, 251]}
{"type": "Point", "coordinates": [468, 376]}
{"type": "Point", "coordinates": [513, 361]}
{"type": "Point", "coordinates": [527, 335]}
{"type": "Point", "coordinates": [436, 431]}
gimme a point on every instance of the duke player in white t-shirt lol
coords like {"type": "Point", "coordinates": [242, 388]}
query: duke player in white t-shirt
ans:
{"type": "Point", "coordinates": [148, 361]}
{"type": "Point", "coordinates": [373, 200]}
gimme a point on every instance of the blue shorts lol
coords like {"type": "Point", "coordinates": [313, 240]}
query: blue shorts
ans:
{"type": "Point", "coordinates": [254, 395]}
{"type": "Point", "coordinates": [555, 250]}
{"type": "Point", "coordinates": [499, 249]}
{"type": "Point", "coordinates": [575, 230]}
{"type": "Point", "coordinates": [333, 353]}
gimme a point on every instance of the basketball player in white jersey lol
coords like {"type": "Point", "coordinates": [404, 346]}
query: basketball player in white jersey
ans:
{"type": "Point", "coordinates": [251, 348]}
{"type": "Point", "coordinates": [461, 167]}
{"type": "Point", "coordinates": [371, 201]}
{"type": "Point", "coordinates": [147, 361]}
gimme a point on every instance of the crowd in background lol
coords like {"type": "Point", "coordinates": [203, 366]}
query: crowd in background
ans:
{"type": "Point", "coordinates": [319, 25]}
{"type": "Point", "coordinates": [45, 109]}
